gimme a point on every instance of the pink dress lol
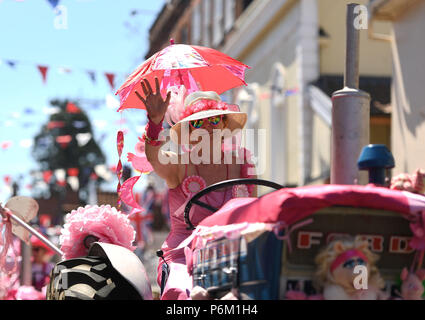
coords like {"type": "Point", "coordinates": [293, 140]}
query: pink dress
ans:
{"type": "Point", "coordinates": [179, 282]}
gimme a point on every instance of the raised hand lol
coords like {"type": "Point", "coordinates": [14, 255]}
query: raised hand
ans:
{"type": "Point", "coordinates": [155, 105]}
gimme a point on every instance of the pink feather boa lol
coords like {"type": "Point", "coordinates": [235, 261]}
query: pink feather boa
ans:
{"type": "Point", "coordinates": [105, 222]}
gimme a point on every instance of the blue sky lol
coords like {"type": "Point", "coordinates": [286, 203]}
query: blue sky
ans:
{"type": "Point", "coordinates": [97, 35]}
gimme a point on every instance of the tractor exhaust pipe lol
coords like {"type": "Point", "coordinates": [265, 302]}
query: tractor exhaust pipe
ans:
{"type": "Point", "coordinates": [350, 114]}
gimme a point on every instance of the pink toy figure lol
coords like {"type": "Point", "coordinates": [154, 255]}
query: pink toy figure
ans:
{"type": "Point", "coordinates": [413, 183]}
{"type": "Point", "coordinates": [335, 274]}
{"type": "Point", "coordinates": [412, 288]}
{"type": "Point", "coordinates": [139, 161]}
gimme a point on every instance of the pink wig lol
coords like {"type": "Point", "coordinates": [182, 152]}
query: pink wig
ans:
{"type": "Point", "coordinates": [105, 223]}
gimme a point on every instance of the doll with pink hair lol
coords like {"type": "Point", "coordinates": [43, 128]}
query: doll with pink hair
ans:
{"type": "Point", "coordinates": [335, 275]}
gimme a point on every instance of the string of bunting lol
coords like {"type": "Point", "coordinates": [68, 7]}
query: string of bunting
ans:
{"type": "Point", "coordinates": [43, 69]}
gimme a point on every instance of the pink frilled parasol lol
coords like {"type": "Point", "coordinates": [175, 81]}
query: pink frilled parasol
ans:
{"type": "Point", "coordinates": [195, 67]}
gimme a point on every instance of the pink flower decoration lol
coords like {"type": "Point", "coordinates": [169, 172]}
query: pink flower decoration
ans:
{"type": "Point", "coordinates": [193, 184]}
{"type": "Point", "coordinates": [203, 105]}
{"type": "Point", "coordinates": [240, 191]}
{"type": "Point", "coordinates": [105, 222]}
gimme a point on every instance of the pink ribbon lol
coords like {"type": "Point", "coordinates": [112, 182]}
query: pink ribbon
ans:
{"type": "Point", "coordinates": [287, 236]}
{"type": "Point", "coordinates": [6, 241]}
{"type": "Point", "coordinates": [345, 256]}
{"type": "Point", "coordinates": [120, 146]}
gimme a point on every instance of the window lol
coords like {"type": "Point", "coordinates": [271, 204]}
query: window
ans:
{"type": "Point", "coordinates": [184, 35]}
{"type": "Point", "coordinates": [229, 15]}
{"type": "Point", "coordinates": [246, 3]}
{"type": "Point", "coordinates": [206, 22]}
{"type": "Point", "coordinates": [218, 22]}
{"type": "Point", "coordinates": [196, 25]}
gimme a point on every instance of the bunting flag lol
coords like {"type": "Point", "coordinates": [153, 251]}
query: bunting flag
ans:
{"type": "Point", "coordinates": [83, 138]}
{"type": "Point", "coordinates": [64, 70]}
{"type": "Point", "coordinates": [287, 93]}
{"type": "Point", "coordinates": [78, 124]}
{"type": "Point", "coordinates": [72, 108]}
{"type": "Point", "coordinates": [53, 3]}
{"type": "Point", "coordinates": [7, 179]}
{"type": "Point", "coordinates": [26, 143]}
{"type": "Point", "coordinates": [55, 124]}
{"type": "Point", "coordinates": [92, 76]}
{"type": "Point", "coordinates": [51, 110]}
{"type": "Point", "coordinates": [11, 63]}
{"type": "Point", "coordinates": [111, 78]}
{"type": "Point", "coordinates": [60, 175]}
{"type": "Point", "coordinates": [28, 111]}
{"type": "Point", "coordinates": [73, 172]}
{"type": "Point", "coordinates": [6, 145]}
{"type": "Point", "coordinates": [47, 175]}
{"type": "Point", "coordinates": [63, 140]}
{"type": "Point", "coordinates": [43, 71]}
{"type": "Point", "coordinates": [73, 182]}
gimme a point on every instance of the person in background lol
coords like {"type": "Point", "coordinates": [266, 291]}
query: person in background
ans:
{"type": "Point", "coordinates": [41, 265]}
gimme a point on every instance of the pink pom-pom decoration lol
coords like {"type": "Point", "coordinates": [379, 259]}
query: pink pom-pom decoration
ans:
{"type": "Point", "coordinates": [104, 222]}
{"type": "Point", "coordinates": [193, 184]}
{"type": "Point", "coordinates": [203, 105]}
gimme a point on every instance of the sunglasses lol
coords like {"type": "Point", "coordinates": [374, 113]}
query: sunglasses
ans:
{"type": "Point", "coordinates": [350, 264]}
{"type": "Point", "coordinates": [215, 120]}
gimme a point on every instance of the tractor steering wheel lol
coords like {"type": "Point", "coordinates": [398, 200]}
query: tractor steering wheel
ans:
{"type": "Point", "coordinates": [219, 185]}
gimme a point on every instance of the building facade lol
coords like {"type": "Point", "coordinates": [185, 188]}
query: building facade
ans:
{"type": "Point", "coordinates": [407, 41]}
{"type": "Point", "coordinates": [296, 51]}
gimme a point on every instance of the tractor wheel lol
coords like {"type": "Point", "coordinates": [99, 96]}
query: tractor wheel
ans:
{"type": "Point", "coordinates": [88, 278]}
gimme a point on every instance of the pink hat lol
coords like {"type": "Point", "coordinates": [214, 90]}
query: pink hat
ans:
{"type": "Point", "coordinates": [200, 105]}
{"type": "Point", "coordinates": [37, 243]}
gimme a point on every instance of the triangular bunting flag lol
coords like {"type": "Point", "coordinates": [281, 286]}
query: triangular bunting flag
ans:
{"type": "Point", "coordinates": [43, 71]}
{"type": "Point", "coordinates": [83, 138]}
{"type": "Point", "coordinates": [11, 63]}
{"type": "Point", "coordinates": [53, 3]}
{"type": "Point", "coordinates": [92, 76]}
{"type": "Point", "coordinates": [72, 108]}
{"type": "Point", "coordinates": [110, 77]}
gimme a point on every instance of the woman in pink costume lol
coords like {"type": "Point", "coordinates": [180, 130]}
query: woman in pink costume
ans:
{"type": "Point", "coordinates": [197, 120]}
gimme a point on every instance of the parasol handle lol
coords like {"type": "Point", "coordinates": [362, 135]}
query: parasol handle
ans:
{"type": "Point", "coordinates": [21, 222]}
